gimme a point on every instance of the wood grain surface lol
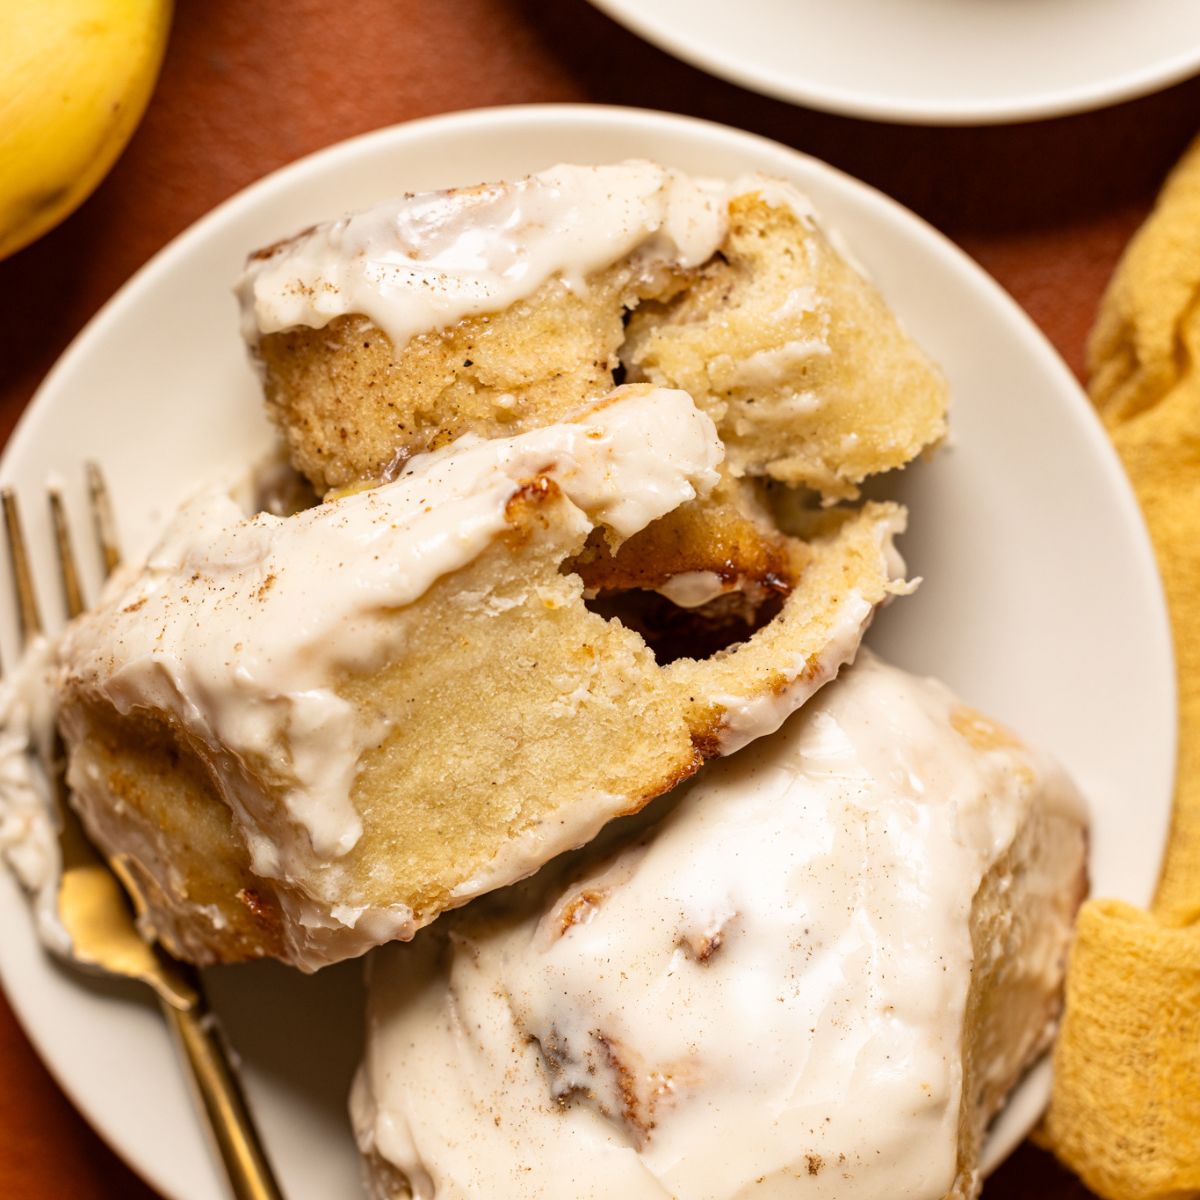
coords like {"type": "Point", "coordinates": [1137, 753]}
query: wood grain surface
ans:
{"type": "Point", "coordinates": [247, 87]}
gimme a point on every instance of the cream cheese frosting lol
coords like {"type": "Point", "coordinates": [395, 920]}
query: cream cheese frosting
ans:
{"type": "Point", "coordinates": [761, 992]}
{"type": "Point", "coordinates": [28, 821]}
{"type": "Point", "coordinates": [694, 589]}
{"type": "Point", "coordinates": [745, 720]}
{"type": "Point", "coordinates": [238, 627]}
{"type": "Point", "coordinates": [424, 262]}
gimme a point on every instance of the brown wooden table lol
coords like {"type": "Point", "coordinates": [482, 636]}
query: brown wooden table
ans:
{"type": "Point", "coordinates": [1046, 208]}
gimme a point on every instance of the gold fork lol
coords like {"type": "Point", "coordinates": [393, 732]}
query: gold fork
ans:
{"type": "Point", "coordinates": [98, 902]}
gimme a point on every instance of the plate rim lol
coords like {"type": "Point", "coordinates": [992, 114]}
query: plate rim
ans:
{"type": "Point", "coordinates": [872, 106]}
{"type": "Point", "coordinates": [163, 261]}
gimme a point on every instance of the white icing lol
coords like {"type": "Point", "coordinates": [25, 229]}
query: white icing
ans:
{"type": "Point", "coordinates": [424, 262]}
{"type": "Point", "coordinates": [798, 302]}
{"type": "Point", "coordinates": [691, 589]}
{"type": "Point", "coordinates": [772, 367]}
{"type": "Point", "coordinates": [28, 821]}
{"type": "Point", "coordinates": [761, 993]}
{"type": "Point", "coordinates": [239, 628]}
{"type": "Point", "coordinates": [747, 719]}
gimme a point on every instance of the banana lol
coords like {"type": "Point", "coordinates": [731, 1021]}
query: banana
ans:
{"type": "Point", "coordinates": [75, 78]}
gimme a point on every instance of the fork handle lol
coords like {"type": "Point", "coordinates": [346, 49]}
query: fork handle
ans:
{"type": "Point", "coordinates": [237, 1140]}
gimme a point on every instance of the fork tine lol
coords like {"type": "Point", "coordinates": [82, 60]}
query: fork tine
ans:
{"type": "Point", "coordinates": [67, 565]}
{"type": "Point", "coordinates": [102, 515]}
{"type": "Point", "coordinates": [76, 850]}
{"type": "Point", "coordinates": [27, 605]}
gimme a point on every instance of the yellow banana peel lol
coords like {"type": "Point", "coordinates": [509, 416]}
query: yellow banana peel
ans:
{"type": "Point", "coordinates": [75, 78]}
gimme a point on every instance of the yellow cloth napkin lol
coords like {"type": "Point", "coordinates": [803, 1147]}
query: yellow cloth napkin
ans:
{"type": "Point", "coordinates": [1125, 1113]}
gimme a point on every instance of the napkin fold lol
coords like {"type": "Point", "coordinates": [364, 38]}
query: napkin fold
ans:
{"type": "Point", "coordinates": [1125, 1112]}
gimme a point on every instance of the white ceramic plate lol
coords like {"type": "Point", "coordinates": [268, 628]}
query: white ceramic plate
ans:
{"type": "Point", "coordinates": [952, 62]}
{"type": "Point", "coordinates": [1041, 604]}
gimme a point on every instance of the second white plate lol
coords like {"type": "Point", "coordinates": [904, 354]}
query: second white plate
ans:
{"type": "Point", "coordinates": [936, 62]}
{"type": "Point", "coordinates": [1041, 602]}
